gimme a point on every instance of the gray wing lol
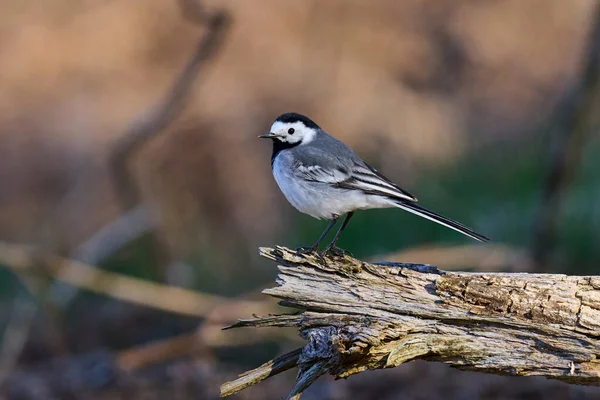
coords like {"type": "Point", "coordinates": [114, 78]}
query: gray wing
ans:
{"type": "Point", "coordinates": [344, 170]}
{"type": "Point", "coordinates": [369, 180]}
{"type": "Point", "coordinates": [315, 165]}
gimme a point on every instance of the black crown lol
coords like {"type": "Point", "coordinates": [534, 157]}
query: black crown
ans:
{"type": "Point", "coordinates": [295, 117]}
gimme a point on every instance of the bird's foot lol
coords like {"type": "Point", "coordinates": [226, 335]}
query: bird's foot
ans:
{"type": "Point", "coordinates": [334, 251]}
{"type": "Point", "coordinates": [307, 250]}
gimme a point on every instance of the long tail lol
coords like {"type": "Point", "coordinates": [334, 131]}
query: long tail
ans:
{"type": "Point", "coordinates": [447, 222]}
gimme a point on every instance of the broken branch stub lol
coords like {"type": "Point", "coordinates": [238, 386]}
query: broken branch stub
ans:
{"type": "Point", "coordinates": [358, 316]}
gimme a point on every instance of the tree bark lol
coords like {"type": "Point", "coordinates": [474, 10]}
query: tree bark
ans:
{"type": "Point", "coordinates": [358, 316]}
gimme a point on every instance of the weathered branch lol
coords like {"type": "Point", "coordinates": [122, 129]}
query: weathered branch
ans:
{"type": "Point", "coordinates": [359, 316]}
{"type": "Point", "coordinates": [268, 369]}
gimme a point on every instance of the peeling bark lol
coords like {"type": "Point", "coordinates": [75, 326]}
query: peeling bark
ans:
{"type": "Point", "coordinates": [358, 316]}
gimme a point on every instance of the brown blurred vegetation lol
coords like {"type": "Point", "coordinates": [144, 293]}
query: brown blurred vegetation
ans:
{"type": "Point", "coordinates": [74, 75]}
{"type": "Point", "coordinates": [412, 85]}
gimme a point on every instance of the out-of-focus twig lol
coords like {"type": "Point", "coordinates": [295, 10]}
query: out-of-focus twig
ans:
{"type": "Point", "coordinates": [200, 342]}
{"type": "Point", "coordinates": [161, 115]}
{"type": "Point", "coordinates": [137, 218]}
{"type": "Point", "coordinates": [194, 11]}
{"type": "Point", "coordinates": [161, 351]}
{"type": "Point", "coordinates": [115, 235]}
{"type": "Point", "coordinates": [15, 335]}
{"type": "Point", "coordinates": [40, 285]}
{"type": "Point", "coordinates": [167, 110]}
{"type": "Point", "coordinates": [104, 243]}
{"type": "Point", "coordinates": [216, 311]}
{"type": "Point", "coordinates": [569, 131]}
{"type": "Point", "coordinates": [162, 297]}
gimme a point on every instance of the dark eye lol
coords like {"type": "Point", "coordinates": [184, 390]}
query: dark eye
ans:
{"type": "Point", "coordinates": [291, 131]}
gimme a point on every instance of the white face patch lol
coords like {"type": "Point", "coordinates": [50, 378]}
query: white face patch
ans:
{"type": "Point", "coordinates": [301, 133]}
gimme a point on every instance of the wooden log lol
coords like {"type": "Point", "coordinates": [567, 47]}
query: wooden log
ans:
{"type": "Point", "coordinates": [357, 316]}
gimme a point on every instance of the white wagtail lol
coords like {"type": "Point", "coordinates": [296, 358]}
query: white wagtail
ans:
{"type": "Point", "coordinates": [322, 177]}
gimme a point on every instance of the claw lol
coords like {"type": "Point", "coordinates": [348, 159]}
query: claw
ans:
{"type": "Point", "coordinates": [334, 251]}
{"type": "Point", "coordinates": [346, 253]}
{"type": "Point", "coordinates": [306, 250]}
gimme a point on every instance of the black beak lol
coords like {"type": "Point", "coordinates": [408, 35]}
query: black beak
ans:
{"type": "Point", "coordinates": [269, 135]}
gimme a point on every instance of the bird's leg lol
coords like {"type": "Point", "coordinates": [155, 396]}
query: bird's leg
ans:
{"type": "Point", "coordinates": [332, 246]}
{"type": "Point", "coordinates": [318, 242]}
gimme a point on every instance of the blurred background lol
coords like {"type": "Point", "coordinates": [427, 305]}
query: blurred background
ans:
{"type": "Point", "coordinates": [134, 193]}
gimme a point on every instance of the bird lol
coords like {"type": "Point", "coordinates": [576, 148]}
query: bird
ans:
{"type": "Point", "coordinates": [323, 177]}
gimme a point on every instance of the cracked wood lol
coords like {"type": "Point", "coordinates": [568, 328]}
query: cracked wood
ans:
{"type": "Point", "coordinates": [358, 316]}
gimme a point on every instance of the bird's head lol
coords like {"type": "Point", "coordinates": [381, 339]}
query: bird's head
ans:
{"type": "Point", "coordinates": [292, 129]}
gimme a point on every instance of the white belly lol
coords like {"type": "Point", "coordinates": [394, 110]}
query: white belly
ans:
{"type": "Point", "coordinates": [320, 200]}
